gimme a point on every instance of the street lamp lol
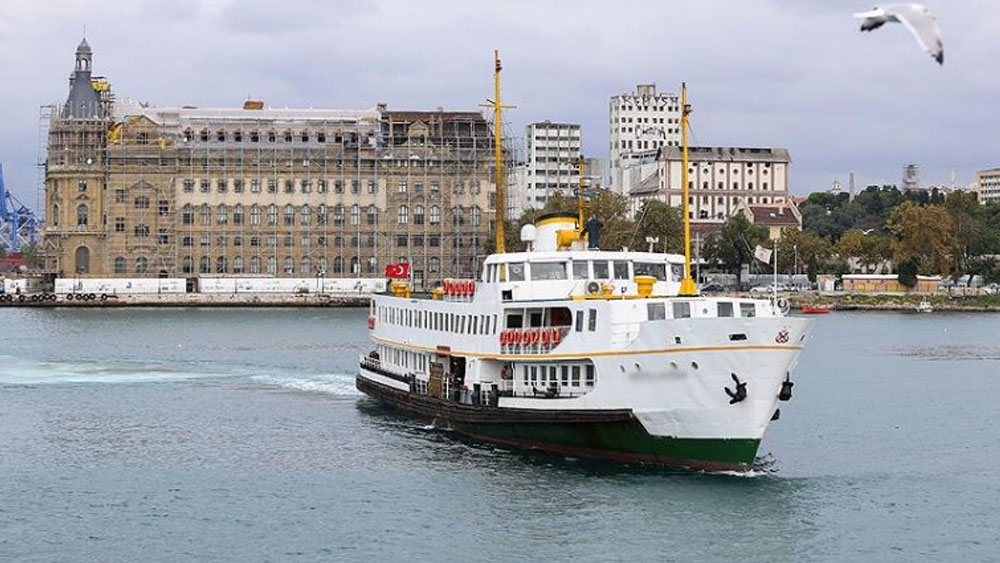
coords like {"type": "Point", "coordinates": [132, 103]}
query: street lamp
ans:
{"type": "Point", "coordinates": [652, 241]}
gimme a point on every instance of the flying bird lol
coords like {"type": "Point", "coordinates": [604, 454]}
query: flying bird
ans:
{"type": "Point", "coordinates": [916, 17]}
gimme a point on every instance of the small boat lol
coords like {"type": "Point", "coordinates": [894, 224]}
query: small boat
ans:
{"type": "Point", "coordinates": [925, 307]}
{"type": "Point", "coordinates": [816, 309]}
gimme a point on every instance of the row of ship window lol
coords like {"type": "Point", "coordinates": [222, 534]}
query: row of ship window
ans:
{"type": "Point", "coordinates": [682, 310]}
{"type": "Point", "coordinates": [437, 320]}
{"type": "Point", "coordinates": [560, 375]}
{"type": "Point", "coordinates": [582, 270]}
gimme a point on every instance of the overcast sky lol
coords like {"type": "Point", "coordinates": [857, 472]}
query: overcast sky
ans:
{"type": "Point", "coordinates": [790, 73]}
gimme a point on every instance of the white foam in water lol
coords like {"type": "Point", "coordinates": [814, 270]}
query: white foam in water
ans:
{"type": "Point", "coordinates": [333, 384]}
{"type": "Point", "coordinates": [17, 371]}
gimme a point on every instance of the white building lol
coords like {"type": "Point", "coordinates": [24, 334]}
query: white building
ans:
{"type": "Point", "coordinates": [551, 161]}
{"type": "Point", "coordinates": [988, 185]}
{"type": "Point", "coordinates": [640, 124]}
{"type": "Point", "coordinates": [720, 179]}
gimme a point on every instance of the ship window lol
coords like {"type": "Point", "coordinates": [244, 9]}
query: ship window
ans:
{"type": "Point", "coordinates": [676, 272]}
{"type": "Point", "coordinates": [621, 270]}
{"type": "Point", "coordinates": [514, 321]}
{"type": "Point", "coordinates": [682, 310]}
{"type": "Point", "coordinates": [576, 375]}
{"type": "Point", "coordinates": [580, 270]}
{"type": "Point", "coordinates": [592, 320]}
{"type": "Point", "coordinates": [552, 374]}
{"type": "Point", "coordinates": [579, 321]}
{"type": "Point", "coordinates": [747, 310]}
{"type": "Point", "coordinates": [548, 271]}
{"type": "Point", "coordinates": [601, 270]}
{"type": "Point", "coordinates": [564, 380]}
{"type": "Point", "coordinates": [657, 270]}
{"type": "Point", "coordinates": [534, 374]}
{"type": "Point", "coordinates": [725, 309]}
{"type": "Point", "coordinates": [475, 324]}
{"type": "Point", "coordinates": [656, 311]}
{"type": "Point", "coordinates": [524, 374]}
{"type": "Point", "coordinates": [515, 270]}
{"type": "Point", "coordinates": [590, 375]}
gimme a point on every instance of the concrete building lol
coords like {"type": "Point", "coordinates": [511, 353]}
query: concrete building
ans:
{"type": "Point", "coordinates": [183, 192]}
{"type": "Point", "coordinates": [552, 153]}
{"type": "Point", "coordinates": [775, 216]}
{"type": "Point", "coordinates": [988, 185]}
{"type": "Point", "coordinates": [640, 124]}
{"type": "Point", "coordinates": [720, 180]}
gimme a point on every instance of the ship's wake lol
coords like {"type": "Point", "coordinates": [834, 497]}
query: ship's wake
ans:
{"type": "Point", "coordinates": [21, 371]}
{"type": "Point", "coordinates": [333, 383]}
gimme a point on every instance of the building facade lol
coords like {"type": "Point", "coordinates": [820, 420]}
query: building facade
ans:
{"type": "Point", "coordinates": [187, 192]}
{"type": "Point", "coordinates": [552, 154]}
{"type": "Point", "coordinates": [988, 185]}
{"type": "Point", "coordinates": [640, 124]}
{"type": "Point", "coordinates": [720, 179]}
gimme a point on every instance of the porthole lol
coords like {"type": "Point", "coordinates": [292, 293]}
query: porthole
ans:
{"type": "Point", "coordinates": [673, 365]}
{"type": "Point", "coordinates": [622, 367]}
{"type": "Point", "coordinates": [694, 365]}
{"type": "Point", "coordinates": [638, 367]}
{"type": "Point", "coordinates": [677, 340]}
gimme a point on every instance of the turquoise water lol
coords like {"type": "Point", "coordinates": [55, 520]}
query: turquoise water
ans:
{"type": "Point", "coordinates": [237, 435]}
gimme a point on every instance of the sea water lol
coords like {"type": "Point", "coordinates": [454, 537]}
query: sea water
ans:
{"type": "Point", "coordinates": [237, 436]}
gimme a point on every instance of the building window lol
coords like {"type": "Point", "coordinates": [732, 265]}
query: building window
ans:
{"type": "Point", "coordinates": [338, 215]}
{"type": "Point", "coordinates": [372, 214]}
{"type": "Point", "coordinates": [306, 215]}
{"type": "Point", "coordinates": [418, 214]}
{"type": "Point", "coordinates": [272, 265]}
{"type": "Point", "coordinates": [435, 215]}
{"type": "Point", "coordinates": [355, 214]}
{"type": "Point", "coordinates": [206, 214]}
{"type": "Point", "coordinates": [141, 231]}
{"type": "Point", "coordinates": [475, 215]}
{"type": "Point", "coordinates": [238, 215]}
{"type": "Point", "coordinates": [434, 264]}
{"type": "Point", "coordinates": [119, 265]}
{"type": "Point", "coordinates": [141, 265]}
{"type": "Point", "coordinates": [119, 224]}
{"type": "Point", "coordinates": [255, 265]}
{"type": "Point", "coordinates": [119, 196]}
{"type": "Point", "coordinates": [403, 216]}
{"type": "Point", "coordinates": [402, 187]}
{"type": "Point", "coordinates": [272, 214]}
{"type": "Point", "coordinates": [322, 214]}
{"type": "Point", "coordinates": [254, 214]}
{"type": "Point", "coordinates": [142, 202]}
{"type": "Point", "coordinates": [221, 265]}
{"type": "Point", "coordinates": [222, 215]}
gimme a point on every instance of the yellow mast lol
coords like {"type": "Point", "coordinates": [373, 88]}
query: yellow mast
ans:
{"type": "Point", "coordinates": [688, 287]}
{"type": "Point", "coordinates": [501, 202]}
{"type": "Point", "coordinates": [579, 196]}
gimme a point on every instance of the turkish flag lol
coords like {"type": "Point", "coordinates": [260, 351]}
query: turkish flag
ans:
{"type": "Point", "coordinates": [399, 271]}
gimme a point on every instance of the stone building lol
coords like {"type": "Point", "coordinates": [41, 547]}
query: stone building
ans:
{"type": "Point", "coordinates": [639, 124]}
{"type": "Point", "coordinates": [186, 192]}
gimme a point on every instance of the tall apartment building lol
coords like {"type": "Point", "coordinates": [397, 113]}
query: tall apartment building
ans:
{"type": "Point", "coordinates": [183, 192]}
{"type": "Point", "coordinates": [720, 180]}
{"type": "Point", "coordinates": [551, 161]}
{"type": "Point", "coordinates": [640, 124]}
{"type": "Point", "coordinates": [988, 185]}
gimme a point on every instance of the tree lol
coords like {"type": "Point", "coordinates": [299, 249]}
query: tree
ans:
{"type": "Point", "coordinates": [804, 246]}
{"type": "Point", "coordinates": [657, 219]}
{"type": "Point", "coordinates": [970, 231]}
{"type": "Point", "coordinates": [908, 272]}
{"type": "Point", "coordinates": [852, 244]}
{"type": "Point", "coordinates": [734, 245]}
{"type": "Point", "coordinates": [924, 233]}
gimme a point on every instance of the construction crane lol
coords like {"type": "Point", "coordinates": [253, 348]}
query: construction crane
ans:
{"type": "Point", "coordinates": [18, 224]}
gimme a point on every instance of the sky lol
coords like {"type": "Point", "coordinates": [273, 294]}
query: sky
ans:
{"type": "Point", "coordinates": [789, 73]}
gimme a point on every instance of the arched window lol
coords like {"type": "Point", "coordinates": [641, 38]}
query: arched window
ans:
{"type": "Point", "coordinates": [338, 215]}
{"type": "Point", "coordinates": [272, 214]}
{"type": "Point", "coordinates": [289, 265]}
{"type": "Point", "coordinates": [238, 215]}
{"type": "Point", "coordinates": [305, 266]}
{"type": "Point", "coordinates": [404, 215]}
{"type": "Point", "coordinates": [81, 214]}
{"type": "Point", "coordinates": [188, 265]}
{"type": "Point", "coordinates": [221, 265]}
{"type": "Point", "coordinates": [306, 214]}
{"type": "Point", "coordinates": [272, 265]}
{"type": "Point", "coordinates": [372, 265]}
{"type": "Point", "coordinates": [82, 259]}
{"type": "Point", "coordinates": [289, 215]}
{"type": "Point", "coordinates": [434, 264]}
{"type": "Point", "coordinates": [418, 214]}
{"type": "Point", "coordinates": [458, 215]}
{"type": "Point", "coordinates": [238, 265]}
{"type": "Point", "coordinates": [222, 216]}
{"type": "Point", "coordinates": [321, 267]}
{"type": "Point", "coordinates": [255, 264]}
{"type": "Point", "coordinates": [187, 214]}
{"type": "Point", "coordinates": [204, 265]}
{"type": "Point", "coordinates": [338, 265]}
{"type": "Point", "coordinates": [435, 215]}
{"type": "Point", "coordinates": [141, 265]}
{"type": "Point", "coordinates": [372, 214]}
{"type": "Point", "coordinates": [355, 214]}
{"type": "Point", "coordinates": [119, 265]}
{"type": "Point", "coordinates": [206, 214]}
{"type": "Point", "coordinates": [254, 214]}
{"type": "Point", "coordinates": [355, 267]}
{"type": "Point", "coordinates": [475, 215]}
{"type": "Point", "coordinates": [322, 214]}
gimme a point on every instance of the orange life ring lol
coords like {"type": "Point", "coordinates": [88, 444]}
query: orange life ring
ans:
{"type": "Point", "coordinates": [556, 336]}
{"type": "Point", "coordinates": [544, 337]}
{"type": "Point", "coordinates": [471, 287]}
{"type": "Point", "coordinates": [504, 337]}
{"type": "Point", "coordinates": [518, 337]}
{"type": "Point", "coordinates": [371, 323]}
{"type": "Point", "coordinates": [533, 336]}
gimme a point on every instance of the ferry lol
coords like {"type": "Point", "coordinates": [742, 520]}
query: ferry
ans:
{"type": "Point", "coordinates": [578, 351]}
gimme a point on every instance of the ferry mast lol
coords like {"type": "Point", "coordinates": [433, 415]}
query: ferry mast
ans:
{"type": "Point", "coordinates": [688, 287]}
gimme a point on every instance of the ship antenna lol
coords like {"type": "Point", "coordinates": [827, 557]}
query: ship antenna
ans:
{"type": "Point", "coordinates": [688, 287]}
{"type": "Point", "coordinates": [501, 202]}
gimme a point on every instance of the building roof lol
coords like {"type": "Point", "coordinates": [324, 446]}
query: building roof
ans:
{"type": "Point", "coordinates": [727, 154]}
{"type": "Point", "coordinates": [411, 115]}
{"type": "Point", "coordinates": [773, 215]}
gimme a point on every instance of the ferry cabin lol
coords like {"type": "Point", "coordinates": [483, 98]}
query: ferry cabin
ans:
{"type": "Point", "coordinates": [529, 330]}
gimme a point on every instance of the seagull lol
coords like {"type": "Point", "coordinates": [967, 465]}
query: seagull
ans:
{"type": "Point", "coordinates": [916, 17]}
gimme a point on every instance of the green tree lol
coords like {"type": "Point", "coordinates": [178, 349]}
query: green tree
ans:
{"type": "Point", "coordinates": [908, 270]}
{"type": "Point", "coordinates": [657, 219]}
{"type": "Point", "coordinates": [734, 245]}
{"type": "Point", "coordinates": [924, 233]}
{"type": "Point", "coordinates": [803, 246]}
{"type": "Point", "coordinates": [971, 233]}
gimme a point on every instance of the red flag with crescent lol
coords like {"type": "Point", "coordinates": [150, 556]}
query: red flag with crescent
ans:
{"type": "Point", "coordinates": [399, 271]}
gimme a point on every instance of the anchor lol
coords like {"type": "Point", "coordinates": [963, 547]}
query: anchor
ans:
{"type": "Point", "coordinates": [786, 388]}
{"type": "Point", "coordinates": [740, 393]}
